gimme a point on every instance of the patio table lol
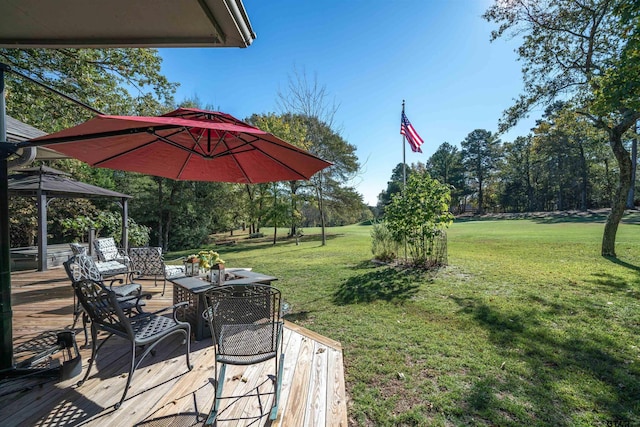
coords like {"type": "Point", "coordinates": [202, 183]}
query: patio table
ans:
{"type": "Point", "coordinates": [192, 289]}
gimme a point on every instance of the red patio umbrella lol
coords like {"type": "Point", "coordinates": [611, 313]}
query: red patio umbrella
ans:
{"type": "Point", "coordinates": [186, 144]}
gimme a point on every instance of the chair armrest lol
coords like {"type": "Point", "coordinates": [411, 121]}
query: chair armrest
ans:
{"type": "Point", "coordinates": [174, 308]}
{"type": "Point", "coordinates": [113, 281]}
{"type": "Point", "coordinates": [135, 300]}
{"type": "Point", "coordinates": [183, 305]}
{"type": "Point", "coordinates": [145, 295]}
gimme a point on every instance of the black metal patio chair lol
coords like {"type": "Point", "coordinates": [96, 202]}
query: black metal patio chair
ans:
{"type": "Point", "coordinates": [247, 329]}
{"type": "Point", "coordinates": [146, 330]}
{"type": "Point", "coordinates": [83, 266]}
{"type": "Point", "coordinates": [149, 261]}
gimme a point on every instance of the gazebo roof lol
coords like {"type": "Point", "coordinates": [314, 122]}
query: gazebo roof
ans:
{"type": "Point", "coordinates": [18, 131]}
{"type": "Point", "coordinates": [27, 182]}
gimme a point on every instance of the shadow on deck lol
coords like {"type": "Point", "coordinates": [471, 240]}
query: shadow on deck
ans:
{"type": "Point", "coordinates": [162, 392]}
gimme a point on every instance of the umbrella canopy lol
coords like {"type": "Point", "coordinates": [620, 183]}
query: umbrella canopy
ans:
{"type": "Point", "coordinates": [186, 144]}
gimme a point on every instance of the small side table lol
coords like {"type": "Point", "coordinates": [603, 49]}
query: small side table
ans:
{"type": "Point", "coordinates": [192, 289]}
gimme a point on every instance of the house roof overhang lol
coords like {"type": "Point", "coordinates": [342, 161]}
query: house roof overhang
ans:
{"type": "Point", "coordinates": [124, 23]}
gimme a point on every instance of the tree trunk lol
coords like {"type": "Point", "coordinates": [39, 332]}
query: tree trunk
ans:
{"type": "Point", "coordinates": [294, 230]}
{"type": "Point", "coordinates": [622, 189]}
{"type": "Point", "coordinates": [480, 198]}
{"type": "Point", "coordinates": [318, 186]}
{"type": "Point", "coordinates": [634, 163]}
{"type": "Point", "coordinates": [293, 186]}
{"type": "Point", "coordinates": [321, 211]}
{"type": "Point", "coordinates": [584, 179]}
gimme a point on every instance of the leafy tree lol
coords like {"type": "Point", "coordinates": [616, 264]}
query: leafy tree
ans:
{"type": "Point", "coordinates": [568, 148]}
{"type": "Point", "coordinates": [108, 224]}
{"type": "Point", "coordinates": [394, 186]}
{"type": "Point", "coordinates": [515, 176]}
{"type": "Point", "coordinates": [446, 166]}
{"type": "Point", "coordinates": [481, 153]}
{"type": "Point", "coordinates": [327, 144]}
{"type": "Point", "coordinates": [113, 81]}
{"type": "Point", "coordinates": [307, 99]}
{"type": "Point", "coordinates": [586, 52]}
{"type": "Point", "coordinates": [419, 214]}
{"type": "Point", "coordinates": [277, 213]}
{"type": "Point", "coordinates": [257, 202]}
{"type": "Point", "coordinates": [344, 206]}
{"type": "Point", "coordinates": [23, 221]}
{"type": "Point", "coordinates": [289, 128]}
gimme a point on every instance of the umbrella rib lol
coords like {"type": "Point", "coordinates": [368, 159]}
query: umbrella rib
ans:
{"type": "Point", "coordinates": [230, 152]}
{"type": "Point", "coordinates": [74, 138]}
{"type": "Point", "coordinates": [275, 159]}
{"type": "Point", "coordinates": [122, 153]}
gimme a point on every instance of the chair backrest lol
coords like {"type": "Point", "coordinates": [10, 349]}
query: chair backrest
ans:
{"type": "Point", "coordinates": [106, 248]}
{"type": "Point", "coordinates": [82, 266]}
{"type": "Point", "coordinates": [147, 261]}
{"type": "Point", "coordinates": [77, 248]}
{"type": "Point", "coordinates": [251, 312]}
{"type": "Point", "coordinates": [101, 305]}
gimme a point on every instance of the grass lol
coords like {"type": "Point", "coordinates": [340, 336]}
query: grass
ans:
{"type": "Point", "coordinates": [528, 325]}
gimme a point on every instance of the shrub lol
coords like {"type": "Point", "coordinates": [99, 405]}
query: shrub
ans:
{"type": "Point", "coordinates": [418, 216]}
{"type": "Point", "coordinates": [383, 244]}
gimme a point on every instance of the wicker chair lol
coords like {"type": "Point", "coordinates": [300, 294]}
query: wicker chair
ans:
{"type": "Point", "coordinates": [145, 330]}
{"type": "Point", "coordinates": [83, 266]}
{"type": "Point", "coordinates": [148, 261]}
{"type": "Point", "coordinates": [246, 329]}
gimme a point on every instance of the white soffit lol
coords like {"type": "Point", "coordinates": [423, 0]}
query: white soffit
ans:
{"type": "Point", "coordinates": [124, 23]}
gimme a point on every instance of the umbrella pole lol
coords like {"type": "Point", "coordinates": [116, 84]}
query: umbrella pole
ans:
{"type": "Point", "coordinates": [6, 345]}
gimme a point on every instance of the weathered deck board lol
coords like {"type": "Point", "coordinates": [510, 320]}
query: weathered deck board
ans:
{"type": "Point", "coordinates": [162, 392]}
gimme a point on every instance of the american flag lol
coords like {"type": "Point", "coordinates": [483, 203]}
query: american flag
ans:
{"type": "Point", "coordinates": [410, 133]}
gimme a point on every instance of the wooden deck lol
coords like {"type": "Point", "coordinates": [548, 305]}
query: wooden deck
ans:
{"type": "Point", "coordinates": [162, 392]}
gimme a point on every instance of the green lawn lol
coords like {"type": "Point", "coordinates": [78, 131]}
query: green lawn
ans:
{"type": "Point", "coordinates": [528, 325]}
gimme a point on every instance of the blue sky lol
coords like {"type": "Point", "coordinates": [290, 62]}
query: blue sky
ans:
{"type": "Point", "coordinates": [370, 55]}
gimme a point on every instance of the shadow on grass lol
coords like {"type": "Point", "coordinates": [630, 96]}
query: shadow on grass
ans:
{"type": "Point", "coordinates": [540, 217]}
{"type": "Point", "coordinates": [554, 367]}
{"type": "Point", "coordinates": [610, 282]}
{"type": "Point", "coordinates": [387, 284]}
{"type": "Point", "coordinates": [555, 217]}
{"type": "Point", "coordinates": [299, 316]}
{"type": "Point", "coordinates": [244, 245]}
{"type": "Point", "coordinates": [622, 263]}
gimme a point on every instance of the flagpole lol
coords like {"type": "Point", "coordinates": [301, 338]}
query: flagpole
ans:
{"type": "Point", "coordinates": [404, 162]}
{"type": "Point", "coordinates": [404, 175]}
